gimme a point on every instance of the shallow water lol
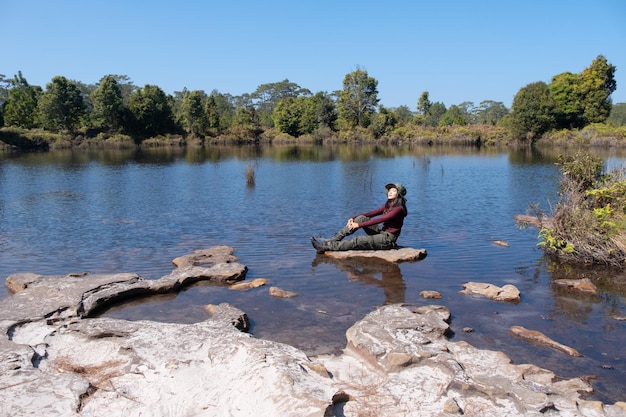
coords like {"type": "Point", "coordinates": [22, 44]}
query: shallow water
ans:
{"type": "Point", "coordinates": [112, 211]}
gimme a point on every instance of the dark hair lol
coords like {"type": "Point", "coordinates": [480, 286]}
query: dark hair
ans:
{"type": "Point", "coordinates": [398, 201]}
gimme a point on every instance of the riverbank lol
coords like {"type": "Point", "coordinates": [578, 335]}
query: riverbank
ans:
{"type": "Point", "coordinates": [58, 359]}
{"type": "Point", "coordinates": [596, 135]}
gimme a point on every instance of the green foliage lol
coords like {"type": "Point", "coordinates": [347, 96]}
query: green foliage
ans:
{"type": "Point", "coordinates": [304, 115]}
{"type": "Point", "coordinates": [455, 115]}
{"type": "Point", "coordinates": [151, 113]}
{"type": "Point", "coordinates": [532, 112]}
{"type": "Point", "coordinates": [434, 114]}
{"type": "Point", "coordinates": [267, 96]}
{"type": "Point", "coordinates": [490, 112]}
{"type": "Point", "coordinates": [61, 106]}
{"type": "Point", "coordinates": [550, 242]}
{"type": "Point", "coordinates": [108, 108]}
{"type": "Point", "coordinates": [589, 223]}
{"type": "Point", "coordinates": [403, 114]}
{"type": "Point", "coordinates": [287, 117]}
{"type": "Point", "coordinates": [192, 112]}
{"type": "Point", "coordinates": [358, 99]}
{"type": "Point", "coordinates": [219, 111]}
{"type": "Point", "coordinates": [583, 170]}
{"type": "Point", "coordinates": [20, 108]}
{"type": "Point", "coordinates": [383, 122]}
{"type": "Point", "coordinates": [617, 117]}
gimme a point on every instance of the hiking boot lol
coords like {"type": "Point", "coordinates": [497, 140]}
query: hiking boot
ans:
{"type": "Point", "coordinates": [319, 246]}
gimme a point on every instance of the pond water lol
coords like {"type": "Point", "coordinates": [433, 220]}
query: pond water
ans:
{"type": "Point", "coordinates": [135, 211]}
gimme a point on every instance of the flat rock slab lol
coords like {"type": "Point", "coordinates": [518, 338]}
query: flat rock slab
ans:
{"type": "Point", "coordinates": [391, 255]}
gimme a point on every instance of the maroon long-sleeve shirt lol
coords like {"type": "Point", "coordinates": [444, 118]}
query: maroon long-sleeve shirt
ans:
{"type": "Point", "coordinates": [392, 220]}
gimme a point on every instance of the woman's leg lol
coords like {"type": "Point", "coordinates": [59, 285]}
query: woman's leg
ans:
{"type": "Point", "coordinates": [346, 231]}
{"type": "Point", "coordinates": [379, 241]}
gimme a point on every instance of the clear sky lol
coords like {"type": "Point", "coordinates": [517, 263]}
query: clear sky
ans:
{"type": "Point", "coordinates": [457, 50]}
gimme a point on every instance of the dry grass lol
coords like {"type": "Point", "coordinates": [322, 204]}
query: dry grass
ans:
{"type": "Point", "coordinates": [589, 223]}
{"type": "Point", "coordinates": [250, 175]}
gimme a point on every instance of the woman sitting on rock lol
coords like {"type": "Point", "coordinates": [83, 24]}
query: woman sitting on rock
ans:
{"type": "Point", "coordinates": [391, 215]}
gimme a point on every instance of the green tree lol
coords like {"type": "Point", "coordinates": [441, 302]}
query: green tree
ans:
{"type": "Point", "coordinates": [455, 115]}
{"type": "Point", "coordinates": [304, 115]}
{"type": "Point", "coordinates": [20, 108]}
{"type": "Point", "coordinates": [192, 112]}
{"type": "Point", "coordinates": [267, 96]}
{"type": "Point", "coordinates": [358, 99]}
{"type": "Point", "coordinates": [490, 112]}
{"type": "Point", "coordinates": [618, 115]}
{"type": "Point", "coordinates": [4, 94]}
{"type": "Point", "coordinates": [325, 109]}
{"type": "Point", "coordinates": [61, 106]}
{"type": "Point", "coordinates": [435, 112]}
{"type": "Point", "coordinates": [108, 107]}
{"type": "Point", "coordinates": [532, 113]}
{"type": "Point", "coordinates": [151, 111]}
{"type": "Point", "coordinates": [382, 122]}
{"type": "Point", "coordinates": [423, 108]}
{"type": "Point", "coordinates": [584, 98]}
{"type": "Point", "coordinates": [287, 116]}
{"type": "Point", "coordinates": [403, 114]}
{"type": "Point", "coordinates": [598, 83]}
{"type": "Point", "coordinates": [220, 111]}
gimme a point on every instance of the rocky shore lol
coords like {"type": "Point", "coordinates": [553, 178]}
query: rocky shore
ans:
{"type": "Point", "coordinates": [58, 358]}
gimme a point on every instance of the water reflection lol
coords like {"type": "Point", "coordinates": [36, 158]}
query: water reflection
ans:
{"type": "Point", "coordinates": [369, 271]}
{"type": "Point", "coordinates": [135, 210]}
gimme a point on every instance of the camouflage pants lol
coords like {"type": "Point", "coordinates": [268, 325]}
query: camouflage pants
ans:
{"type": "Point", "coordinates": [375, 238]}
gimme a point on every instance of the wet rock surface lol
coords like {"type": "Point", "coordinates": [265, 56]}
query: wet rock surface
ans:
{"type": "Point", "coordinates": [58, 360]}
{"type": "Point", "coordinates": [391, 255]}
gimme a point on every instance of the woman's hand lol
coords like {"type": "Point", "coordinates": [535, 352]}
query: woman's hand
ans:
{"type": "Point", "coordinates": [352, 225]}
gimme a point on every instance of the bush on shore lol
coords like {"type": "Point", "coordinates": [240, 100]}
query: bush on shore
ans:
{"type": "Point", "coordinates": [589, 222]}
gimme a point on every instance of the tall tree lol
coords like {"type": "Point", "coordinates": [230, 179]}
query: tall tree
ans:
{"type": "Point", "coordinates": [435, 111]}
{"type": "Point", "coordinates": [423, 107]}
{"type": "Point", "coordinates": [151, 111]}
{"type": "Point", "coordinates": [325, 109]}
{"type": "Point", "coordinates": [61, 106]}
{"type": "Point", "coordinates": [358, 99]}
{"type": "Point", "coordinates": [192, 114]}
{"type": "Point", "coordinates": [532, 113]}
{"type": "Point", "coordinates": [403, 114]}
{"type": "Point", "coordinates": [618, 115]}
{"type": "Point", "coordinates": [455, 115]}
{"type": "Point", "coordinates": [220, 111]}
{"type": "Point", "coordinates": [20, 108]}
{"type": "Point", "coordinates": [382, 122]}
{"type": "Point", "coordinates": [598, 83]}
{"type": "Point", "coordinates": [490, 112]}
{"type": "Point", "coordinates": [584, 98]}
{"type": "Point", "coordinates": [267, 96]}
{"type": "Point", "coordinates": [107, 104]}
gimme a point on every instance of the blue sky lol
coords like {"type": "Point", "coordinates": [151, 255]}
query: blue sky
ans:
{"type": "Point", "coordinates": [456, 50]}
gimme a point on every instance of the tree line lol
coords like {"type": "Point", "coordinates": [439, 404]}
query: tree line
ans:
{"type": "Point", "coordinates": [116, 105]}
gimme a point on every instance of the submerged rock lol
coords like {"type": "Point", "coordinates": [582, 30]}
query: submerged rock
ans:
{"type": "Point", "coordinates": [534, 336]}
{"type": "Point", "coordinates": [57, 360]}
{"type": "Point", "coordinates": [583, 285]}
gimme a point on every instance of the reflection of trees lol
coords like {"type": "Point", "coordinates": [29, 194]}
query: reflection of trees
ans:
{"type": "Point", "coordinates": [370, 271]}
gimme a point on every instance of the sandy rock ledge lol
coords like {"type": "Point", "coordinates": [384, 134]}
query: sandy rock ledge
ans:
{"type": "Point", "coordinates": [57, 360]}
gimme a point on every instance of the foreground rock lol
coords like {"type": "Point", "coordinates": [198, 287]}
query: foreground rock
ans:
{"type": "Point", "coordinates": [57, 361]}
{"type": "Point", "coordinates": [391, 255]}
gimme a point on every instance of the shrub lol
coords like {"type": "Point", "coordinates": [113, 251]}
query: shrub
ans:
{"type": "Point", "coordinates": [589, 223]}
